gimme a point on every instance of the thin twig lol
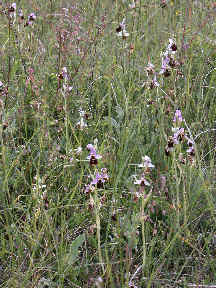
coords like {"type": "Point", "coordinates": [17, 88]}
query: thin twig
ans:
{"type": "Point", "coordinates": [136, 272]}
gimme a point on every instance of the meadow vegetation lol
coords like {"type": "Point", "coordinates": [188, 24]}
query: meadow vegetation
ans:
{"type": "Point", "coordinates": [108, 135]}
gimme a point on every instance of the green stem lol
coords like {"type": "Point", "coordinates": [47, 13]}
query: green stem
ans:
{"type": "Point", "coordinates": [97, 208]}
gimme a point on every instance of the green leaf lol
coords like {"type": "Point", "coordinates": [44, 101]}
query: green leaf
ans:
{"type": "Point", "coordinates": [74, 249]}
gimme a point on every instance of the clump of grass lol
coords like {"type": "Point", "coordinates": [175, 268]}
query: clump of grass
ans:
{"type": "Point", "coordinates": [107, 117]}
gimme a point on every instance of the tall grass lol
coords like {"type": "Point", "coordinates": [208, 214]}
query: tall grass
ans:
{"type": "Point", "coordinates": [100, 215]}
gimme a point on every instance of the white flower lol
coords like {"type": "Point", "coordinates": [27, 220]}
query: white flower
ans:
{"type": "Point", "coordinates": [132, 5]}
{"type": "Point", "coordinates": [78, 150]}
{"type": "Point", "coordinates": [13, 5]}
{"type": "Point", "coordinates": [142, 181]}
{"type": "Point", "coordinates": [155, 83]}
{"type": "Point", "coordinates": [67, 88]}
{"type": "Point", "coordinates": [172, 48]}
{"type": "Point", "coordinates": [122, 24]}
{"type": "Point", "coordinates": [175, 129]}
{"type": "Point", "coordinates": [146, 163]}
{"type": "Point", "coordinates": [12, 11]}
{"type": "Point", "coordinates": [81, 124]}
{"type": "Point", "coordinates": [81, 112]}
{"type": "Point", "coordinates": [121, 31]}
{"type": "Point", "coordinates": [65, 73]}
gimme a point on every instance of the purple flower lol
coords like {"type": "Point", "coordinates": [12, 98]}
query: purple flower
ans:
{"type": "Point", "coordinates": [142, 181]}
{"type": "Point", "coordinates": [165, 65]}
{"type": "Point", "coordinates": [20, 13]}
{"type": "Point", "coordinates": [154, 82]}
{"type": "Point", "coordinates": [178, 135]}
{"type": "Point", "coordinates": [191, 151]}
{"type": "Point", "coordinates": [100, 178]}
{"type": "Point", "coordinates": [31, 19]}
{"type": "Point", "coordinates": [93, 156]}
{"type": "Point", "coordinates": [165, 62]}
{"type": "Point", "coordinates": [185, 46]}
{"type": "Point", "coordinates": [64, 73]}
{"type": "Point", "coordinates": [90, 147]}
{"type": "Point", "coordinates": [89, 188]}
{"type": "Point", "coordinates": [178, 116]}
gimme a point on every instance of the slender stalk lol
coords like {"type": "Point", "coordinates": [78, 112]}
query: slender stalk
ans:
{"type": "Point", "coordinates": [143, 234]}
{"type": "Point", "coordinates": [97, 208]}
{"type": "Point", "coordinates": [145, 199]}
{"type": "Point", "coordinates": [9, 57]}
